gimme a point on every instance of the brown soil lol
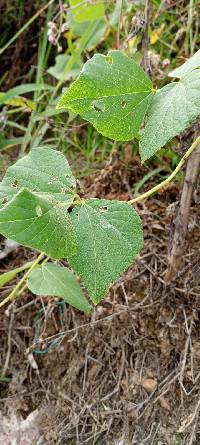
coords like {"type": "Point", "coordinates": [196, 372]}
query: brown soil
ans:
{"type": "Point", "coordinates": [128, 374]}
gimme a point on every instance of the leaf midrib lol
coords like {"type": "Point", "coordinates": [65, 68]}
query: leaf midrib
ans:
{"type": "Point", "coordinates": [104, 97]}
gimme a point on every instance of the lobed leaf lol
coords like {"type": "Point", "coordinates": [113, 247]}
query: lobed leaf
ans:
{"type": "Point", "coordinates": [52, 279]}
{"type": "Point", "coordinates": [113, 93]}
{"type": "Point", "coordinates": [173, 108]}
{"type": "Point", "coordinates": [109, 236]}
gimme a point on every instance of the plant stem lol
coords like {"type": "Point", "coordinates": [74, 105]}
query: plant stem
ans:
{"type": "Point", "coordinates": [170, 177]}
{"type": "Point", "coordinates": [145, 60]}
{"type": "Point", "coordinates": [12, 295]}
{"type": "Point", "coordinates": [189, 30]}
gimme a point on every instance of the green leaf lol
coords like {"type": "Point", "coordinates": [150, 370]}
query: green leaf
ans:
{"type": "Point", "coordinates": [87, 11]}
{"type": "Point", "coordinates": [40, 222]}
{"type": "Point", "coordinates": [52, 279]}
{"type": "Point", "coordinates": [113, 93]}
{"type": "Point", "coordinates": [109, 236]}
{"type": "Point", "coordinates": [35, 194]}
{"type": "Point", "coordinates": [173, 108]}
{"type": "Point", "coordinates": [8, 276]}
{"type": "Point", "coordinates": [42, 170]}
{"type": "Point", "coordinates": [139, 184]}
{"type": "Point", "coordinates": [7, 143]}
{"type": "Point", "coordinates": [98, 34]}
{"type": "Point", "coordinates": [191, 64]}
{"type": "Point", "coordinates": [57, 70]}
{"type": "Point", "coordinates": [22, 89]}
{"type": "Point", "coordinates": [18, 101]}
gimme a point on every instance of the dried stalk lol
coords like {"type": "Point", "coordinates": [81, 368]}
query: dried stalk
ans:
{"type": "Point", "coordinates": [176, 252]}
{"type": "Point", "coordinates": [145, 60]}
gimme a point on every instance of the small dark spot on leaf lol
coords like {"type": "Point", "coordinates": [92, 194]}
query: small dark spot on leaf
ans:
{"type": "Point", "coordinates": [4, 200]}
{"type": "Point", "coordinates": [78, 216]}
{"type": "Point", "coordinates": [123, 103]}
{"type": "Point", "coordinates": [109, 60]}
{"type": "Point", "coordinates": [98, 105]}
{"type": "Point", "coordinates": [103, 209]}
{"type": "Point", "coordinates": [14, 183]}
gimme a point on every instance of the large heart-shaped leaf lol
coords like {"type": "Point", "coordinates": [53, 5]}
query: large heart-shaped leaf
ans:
{"type": "Point", "coordinates": [191, 64]}
{"type": "Point", "coordinates": [113, 93]}
{"type": "Point", "coordinates": [52, 279]}
{"type": "Point", "coordinates": [173, 108]}
{"type": "Point", "coordinates": [109, 236]}
{"type": "Point", "coordinates": [40, 222]}
{"type": "Point", "coordinates": [35, 194]}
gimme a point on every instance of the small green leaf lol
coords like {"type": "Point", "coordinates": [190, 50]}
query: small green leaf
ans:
{"type": "Point", "coordinates": [35, 194]}
{"type": "Point", "coordinates": [22, 89]}
{"type": "Point", "coordinates": [113, 93]}
{"type": "Point", "coordinates": [8, 276]}
{"type": "Point", "coordinates": [191, 64]}
{"type": "Point", "coordinates": [43, 170]}
{"type": "Point", "coordinates": [96, 36]}
{"type": "Point", "coordinates": [54, 280]}
{"type": "Point", "coordinates": [58, 70]}
{"type": "Point", "coordinates": [7, 143]}
{"type": "Point", "coordinates": [18, 101]}
{"type": "Point", "coordinates": [173, 108]}
{"type": "Point", "coordinates": [87, 11]}
{"type": "Point", "coordinates": [139, 184]}
{"type": "Point", "coordinates": [109, 236]}
{"type": "Point", "coordinates": [40, 222]}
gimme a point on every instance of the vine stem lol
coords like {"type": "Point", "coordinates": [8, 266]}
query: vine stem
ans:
{"type": "Point", "coordinates": [170, 177]}
{"type": "Point", "coordinates": [12, 295]}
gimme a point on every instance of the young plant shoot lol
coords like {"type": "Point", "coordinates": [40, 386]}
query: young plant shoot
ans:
{"type": "Point", "coordinates": [99, 238]}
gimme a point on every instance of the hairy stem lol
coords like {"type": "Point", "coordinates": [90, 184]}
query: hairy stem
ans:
{"type": "Point", "coordinates": [170, 177]}
{"type": "Point", "coordinates": [14, 292]}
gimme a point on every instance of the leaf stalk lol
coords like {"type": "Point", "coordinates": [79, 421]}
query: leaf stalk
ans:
{"type": "Point", "coordinates": [14, 292]}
